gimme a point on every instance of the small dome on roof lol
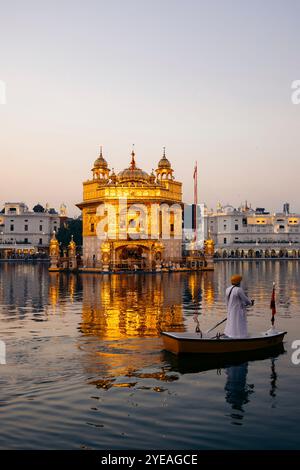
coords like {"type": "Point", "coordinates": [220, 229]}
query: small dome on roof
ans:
{"type": "Point", "coordinates": [164, 162]}
{"type": "Point", "coordinates": [38, 208]}
{"type": "Point", "coordinates": [133, 173]}
{"type": "Point", "coordinates": [100, 162]}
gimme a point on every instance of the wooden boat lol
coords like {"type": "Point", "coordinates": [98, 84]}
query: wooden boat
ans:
{"type": "Point", "coordinates": [187, 343]}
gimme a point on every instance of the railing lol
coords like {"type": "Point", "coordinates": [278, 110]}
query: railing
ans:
{"type": "Point", "coordinates": [15, 243]}
{"type": "Point", "coordinates": [263, 242]}
{"type": "Point", "coordinates": [133, 265]}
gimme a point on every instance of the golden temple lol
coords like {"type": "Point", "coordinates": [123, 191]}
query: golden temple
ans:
{"type": "Point", "coordinates": [131, 219]}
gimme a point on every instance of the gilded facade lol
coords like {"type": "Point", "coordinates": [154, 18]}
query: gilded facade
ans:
{"type": "Point", "coordinates": [131, 219]}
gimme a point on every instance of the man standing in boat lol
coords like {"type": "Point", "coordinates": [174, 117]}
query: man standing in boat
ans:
{"type": "Point", "coordinates": [236, 301]}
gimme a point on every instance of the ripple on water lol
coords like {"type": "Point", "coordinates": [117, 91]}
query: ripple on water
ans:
{"type": "Point", "coordinates": [85, 367]}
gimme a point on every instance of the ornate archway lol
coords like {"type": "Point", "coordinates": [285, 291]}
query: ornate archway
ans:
{"type": "Point", "coordinates": [135, 255]}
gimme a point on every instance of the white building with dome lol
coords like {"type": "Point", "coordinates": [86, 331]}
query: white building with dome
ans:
{"type": "Point", "coordinates": [26, 232]}
{"type": "Point", "coordinates": [253, 233]}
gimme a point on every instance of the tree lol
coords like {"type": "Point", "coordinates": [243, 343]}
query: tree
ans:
{"type": "Point", "coordinates": [70, 227]}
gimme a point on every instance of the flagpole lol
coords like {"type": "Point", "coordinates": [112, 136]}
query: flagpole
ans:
{"type": "Point", "coordinates": [196, 202]}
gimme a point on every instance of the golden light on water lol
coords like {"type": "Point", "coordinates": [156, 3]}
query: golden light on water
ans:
{"type": "Point", "coordinates": [117, 307]}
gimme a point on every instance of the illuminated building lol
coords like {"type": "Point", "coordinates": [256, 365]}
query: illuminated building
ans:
{"type": "Point", "coordinates": [131, 219]}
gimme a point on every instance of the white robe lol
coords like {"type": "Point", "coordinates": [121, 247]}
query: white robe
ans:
{"type": "Point", "coordinates": [236, 325]}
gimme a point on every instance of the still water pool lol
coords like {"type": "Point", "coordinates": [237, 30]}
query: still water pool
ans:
{"type": "Point", "coordinates": [86, 369]}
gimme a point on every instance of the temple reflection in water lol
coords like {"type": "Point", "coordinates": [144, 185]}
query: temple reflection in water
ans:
{"type": "Point", "coordinates": [135, 305]}
{"type": "Point", "coordinates": [142, 304]}
{"type": "Point", "coordinates": [106, 329]}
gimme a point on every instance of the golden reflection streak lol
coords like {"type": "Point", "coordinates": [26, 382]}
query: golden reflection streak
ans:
{"type": "Point", "coordinates": [119, 311]}
{"type": "Point", "coordinates": [116, 307]}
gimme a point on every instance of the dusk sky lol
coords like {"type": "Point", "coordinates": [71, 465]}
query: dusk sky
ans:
{"type": "Point", "coordinates": [210, 80]}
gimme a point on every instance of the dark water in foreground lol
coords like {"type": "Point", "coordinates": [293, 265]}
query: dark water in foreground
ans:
{"type": "Point", "coordinates": [85, 365]}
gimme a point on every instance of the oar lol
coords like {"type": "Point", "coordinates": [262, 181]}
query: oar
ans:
{"type": "Point", "coordinates": [220, 323]}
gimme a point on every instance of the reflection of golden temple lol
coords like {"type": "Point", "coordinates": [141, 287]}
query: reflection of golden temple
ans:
{"type": "Point", "coordinates": [119, 307]}
{"type": "Point", "coordinates": [194, 287]}
{"type": "Point", "coordinates": [72, 286]}
{"type": "Point", "coordinates": [54, 280]}
{"type": "Point", "coordinates": [208, 291]}
{"type": "Point", "coordinates": [61, 286]}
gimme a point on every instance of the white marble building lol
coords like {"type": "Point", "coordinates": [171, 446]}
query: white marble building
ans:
{"type": "Point", "coordinates": [26, 232]}
{"type": "Point", "coordinates": [249, 233]}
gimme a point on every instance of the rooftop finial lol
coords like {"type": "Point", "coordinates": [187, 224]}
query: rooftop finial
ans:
{"type": "Point", "coordinates": [132, 165]}
{"type": "Point", "coordinates": [164, 152]}
{"type": "Point", "coordinates": [101, 151]}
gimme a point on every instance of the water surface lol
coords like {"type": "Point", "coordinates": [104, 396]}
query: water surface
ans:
{"type": "Point", "coordinates": [86, 368]}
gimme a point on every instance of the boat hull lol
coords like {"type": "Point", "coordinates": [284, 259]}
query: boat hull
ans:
{"type": "Point", "coordinates": [187, 343]}
{"type": "Point", "coordinates": [195, 363]}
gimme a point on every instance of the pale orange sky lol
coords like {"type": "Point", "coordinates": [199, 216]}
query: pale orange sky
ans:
{"type": "Point", "coordinates": [209, 80]}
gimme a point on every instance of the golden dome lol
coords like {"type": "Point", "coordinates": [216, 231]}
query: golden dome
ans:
{"type": "Point", "coordinates": [133, 173]}
{"type": "Point", "coordinates": [164, 162]}
{"type": "Point", "coordinates": [100, 162]}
